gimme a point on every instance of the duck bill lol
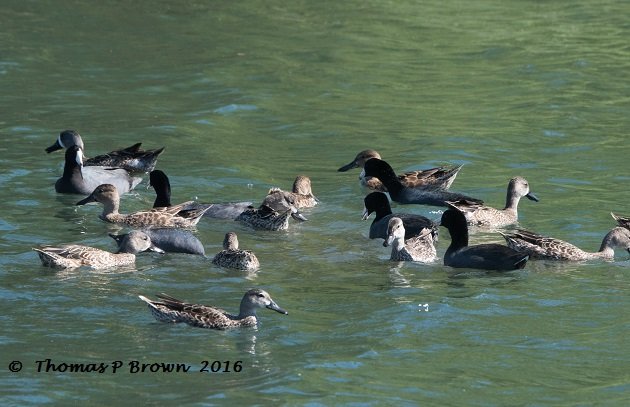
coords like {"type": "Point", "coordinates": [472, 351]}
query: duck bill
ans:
{"type": "Point", "coordinates": [54, 147]}
{"type": "Point", "coordinates": [388, 241]}
{"type": "Point", "coordinates": [347, 167]}
{"type": "Point", "coordinates": [532, 197]}
{"type": "Point", "coordinates": [117, 238]}
{"type": "Point", "coordinates": [87, 200]}
{"type": "Point", "coordinates": [366, 214]}
{"type": "Point", "coordinates": [275, 307]}
{"type": "Point", "coordinates": [154, 248]}
{"type": "Point", "coordinates": [298, 216]}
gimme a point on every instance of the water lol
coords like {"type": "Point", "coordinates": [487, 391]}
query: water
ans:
{"type": "Point", "coordinates": [247, 95]}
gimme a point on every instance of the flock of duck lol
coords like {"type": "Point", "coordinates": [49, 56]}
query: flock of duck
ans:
{"type": "Point", "coordinates": [166, 227]}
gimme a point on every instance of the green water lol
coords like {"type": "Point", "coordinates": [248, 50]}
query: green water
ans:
{"type": "Point", "coordinates": [247, 95]}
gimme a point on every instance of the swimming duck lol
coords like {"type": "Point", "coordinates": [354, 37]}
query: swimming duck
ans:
{"type": "Point", "coordinates": [176, 216]}
{"type": "Point", "coordinates": [160, 182]}
{"type": "Point", "coordinates": [543, 247]}
{"type": "Point", "coordinates": [481, 215]}
{"type": "Point", "coordinates": [232, 257]}
{"type": "Point", "coordinates": [202, 316]}
{"type": "Point", "coordinates": [74, 255]}
{"type": "Point", "coordinates": [623, 221]}
{"type": "Point", "coordinates": [172, 240]}
{"type": "Point", "coordinates": [273, 213]}
{"type": "Point", "coordinates": [301, 193]}
{"type": "Point", "coordinates": [380, 169]}
{"type": "Point", "coordinates": [132, 158]}
{"type": "Point", "coordinates": [264, 217]}
{"type": "Point", "coordinates": [378, 203]}
{"type": "Point", "coordinates": [490, 256]}
{"type": "Point", "coordinates": [417, 248]}
{"type": "Point", "coordinates": [77, 179]}
{"type": "Point", "coordinates": [438, 177]}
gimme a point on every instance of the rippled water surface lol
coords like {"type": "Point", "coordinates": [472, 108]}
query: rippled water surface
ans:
{"type": "Point", "coordinates": [247, 95]}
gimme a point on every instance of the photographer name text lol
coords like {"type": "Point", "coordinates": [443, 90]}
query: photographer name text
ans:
{"type": "Point", "coordinates": [131, 366]}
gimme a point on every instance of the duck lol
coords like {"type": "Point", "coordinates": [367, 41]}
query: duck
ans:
{"type": "Point", "coordinates": [489, 256]}
{"type": "Point", "coordinates": [378, 203]}
{"type": "Point", "coordinates": [549, 248]}
{"type": "Point", "coordinates": [176, 216]}
{"type": "Point", "coordinates": [301, 193]}
{"type": "Point", "coordinates": [375, 167]}
{"type": "Point", "coordinates": [232, 257]}
{"type": "Point", "coordinates": [267, 218]}
{"type": "Point", "coordinates": [438, 177]}
{"type": "Point", "coordinates": [160, 182]}
{"type": "Point", "coordinates": [623, 221]}
{"type": "Point", "coordinates": [77, 179]}
{"type": "Point", "coordinates": [486, 216]}
{"type": "Point", "coordinates": [171, 240]}
{"type": "Point", "coordinates": [172, 310]}
{"type": "Point", "coordinates": [74, 255]}
{"type": "Point", "coordinates": [132, 158]}
{"type": "Point", "coordinates": [418, 248]}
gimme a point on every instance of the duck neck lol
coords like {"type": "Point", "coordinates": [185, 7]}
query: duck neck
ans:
{"type": "Point", "coordinates": [607, 248]}
{"type": "Point", "coordinates": [246, 310]}
{"type": "Point", "coordinates": [391, 182]}
{"type": "Point", "coordinates": [163, 198]}
{"type": "Point", "coordinates": [398, 244]}
{"type": "Point", "coordinates": [511, 200]}
{"type": "Point", "coordinates": [71, 170]}
{"type": "Point", "coordinates": [382, 211]}
{"type": "Point", "coordinates": [459, 239]}
{"type": "Point", "coordinates": [110, 209]}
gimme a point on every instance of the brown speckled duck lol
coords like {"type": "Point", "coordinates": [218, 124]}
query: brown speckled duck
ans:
{"type": "Point", "coordinates": [301, 193]}
{"type": "Point", "coordinates": [171, 309]}
{"type": "Point", "coordinates": [176, 216]}
{"type": "Point", "coordinates": [480, 215]}
{"type": "Point", "coordinates": [74, 255]}
{"type": "Point", "coordinates": [438, 177]}
{"type": "Point", "coordinates": [549, 248]}
{"type": "Point", "coordinates": [232, 257]}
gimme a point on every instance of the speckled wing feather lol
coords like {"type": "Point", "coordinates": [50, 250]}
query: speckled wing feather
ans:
{"type": "Point", "coordinates": [543, 247]}
{"type": "Point", "coordinates": [131, 159]}
{"type": "Point", "coordinates": [72, 256]}
{"type": "Point", "coordinates": [265, 218]}
{"type": "Point", "coordinates": [236, 259]}
{"type": "Point", "coordinates": [173, 310]}
{"type": "Point", "coordinates": [438, 177]}
{"type": "Point", "coordinates": [180, 215]}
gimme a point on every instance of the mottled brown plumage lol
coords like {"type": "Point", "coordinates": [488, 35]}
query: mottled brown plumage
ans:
{"type": "Point", "coordinates": [481, 215]}
{"type": "Point", "coordinates": [74, 255]}
{"type": "Point", "coordinates": [543, 247]}
{"type": "Point", "coordinates": [301, 194]}
{"type": "Point", "coordinates": [171, 309]}
{"type": "Point", "coordinates": [232, 257]}
{"type": "Point", "coordinates": [176, 216]}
